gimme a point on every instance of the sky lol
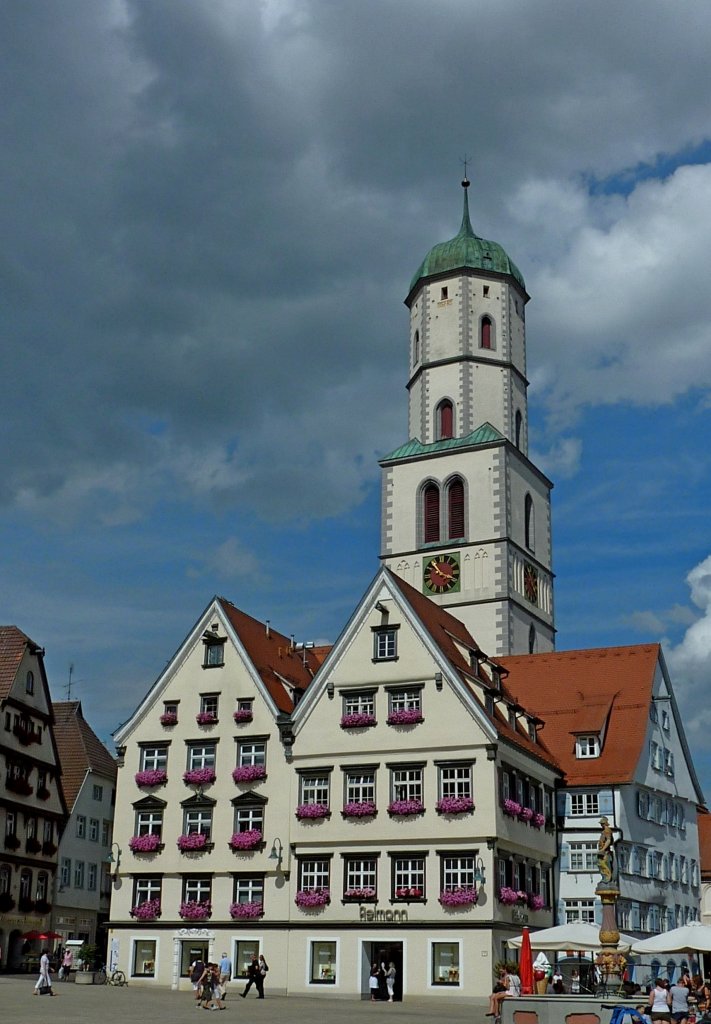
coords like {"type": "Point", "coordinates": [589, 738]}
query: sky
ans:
{"type": "Point", "coordinates": [211, 213]}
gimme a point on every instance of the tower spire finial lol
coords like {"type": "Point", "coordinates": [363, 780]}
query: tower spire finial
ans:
{"type": "Point", "coordinates": [466, 228]}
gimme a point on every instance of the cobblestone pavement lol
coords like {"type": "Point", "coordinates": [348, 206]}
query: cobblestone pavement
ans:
{"type": "Point", "coordinates": [90, 1004]}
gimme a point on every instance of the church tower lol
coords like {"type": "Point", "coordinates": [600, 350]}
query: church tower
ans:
{"type": "Point", "coordinates": [466, 516]}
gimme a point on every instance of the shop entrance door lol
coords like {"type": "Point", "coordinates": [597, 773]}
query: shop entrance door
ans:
{"type": "Point", "coordinates": [384, 954]}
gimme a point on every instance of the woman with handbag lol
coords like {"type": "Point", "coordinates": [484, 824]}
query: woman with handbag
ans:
{"type": "Point", "coordinates": [43, 986]}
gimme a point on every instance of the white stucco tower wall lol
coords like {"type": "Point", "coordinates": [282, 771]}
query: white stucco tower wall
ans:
{"type": "Point", "coordinates": [468, 426]}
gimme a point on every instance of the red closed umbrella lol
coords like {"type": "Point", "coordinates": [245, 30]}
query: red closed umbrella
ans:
{"type": "Point", "coordinates": [525, 967]}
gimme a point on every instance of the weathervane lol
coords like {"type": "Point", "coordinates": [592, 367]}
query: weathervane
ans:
{"type": "Point", "coordinates": [465, 180]}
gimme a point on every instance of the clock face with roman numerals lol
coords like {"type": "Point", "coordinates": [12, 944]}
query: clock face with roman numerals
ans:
{"type": "Point", "coordinates": [530, 582]}
{"type": "Point", "coordinates": [441, 574]}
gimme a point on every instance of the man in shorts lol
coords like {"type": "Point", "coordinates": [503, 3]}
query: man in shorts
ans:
{"type": "Point", "coordinates": [225, 973]}
{"type": "Point", "coordinates": [679, 1002]}
{"type": "Point", "coordinates": [197, 969]}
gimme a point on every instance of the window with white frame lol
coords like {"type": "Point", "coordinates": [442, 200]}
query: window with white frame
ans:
{"type": "Point", "coordinates": [360, 876]}
{"type": "Point", "coordinates": [385, 643]}
{"type": "Point", "coordinates": [245, 704]}
{"type": "Point", "coordinates": [587, 746]}
{"type": "Point", "coordinates": [81, 826]}
{"type": "Point", "coordinates": [360, 787]}
{"type": "Point", "coordinates": [197, 888]}
{"type": "Point", "coordinates": [78, 874]}
{"type": "Point", "coordinates": [694, 873]}
{"type": "Point", "coordinates": [644, 917]}
{"type": "Point", "coordinates": [149, 823]}
{"type": "Point", "coordinates": [683, 870]}
{"type": "Point", "coordinates": [249, 818]}
{"type": "Point", "coordinates": [314, 873]}
{"type": "Point", "coordinates": [643, 805]}
{"type": "Point", "coordinates": [674, 867]}
{"type": "Point", "coordinates": [409, 877]}
{"type": "Point", "coordinates": [666, 720]}
{"type": "Point", "coordinates": [583, 856]}
{"type": "Point", "coordinates": [406, 783]}
{"type": "Point", "coordinates": [455, 780]}
{"type": "Point", "coordinates": [65, 872]}
{"type": "Point", "coordinates": [406, 700]}
{"type": "Point", "coordinates": [445, 963]}
{"type": "Point", "coordinates": [653, 918]}
{"type": "Point", "coordinates": [97, 792]}
{"type": "Point", "coordinates": [584, 804]}
{"type": "Point", "coordinates": [48, 832]}
{"type": "Point", "coordinates": [91, 876]}
{"type": "Point", "coordinates": [94, 830]}
{"type": "Point", "coordinates": [145, 888]}
{"type": "Point", "coordinates": [154, 757]}
{"type": "Point", "coordinates": [655, 864]}
{"type": "Point", "coordinates": [105, 833]}
{"type": "Point", "coordinates": [5, 879]}
{"type": "Point", "coordinates": [458, 872]}
{"type": "Point", "coordinates": [251, 752]}
{"type": "Point", "coordinates": [623, 857]}
{"type": "Point", "coordinates": [209, 703]}
{"type": "Point", "coordinates": [198, 820]}
{"type": "Point", "coordinates": [248, 889]}
{"type": "Point", "coordinates": [214, 654]}
{"type": "Point", "coordinates": [359, 703]}
{"type": "Point", "coordinates": [655, 757]}
{"type": "Point", "coordinates": [579, 910]}
{"type": "Point", "coordinates": [314, 788]}
{"type": "Point", "coordinates": [201, 755]}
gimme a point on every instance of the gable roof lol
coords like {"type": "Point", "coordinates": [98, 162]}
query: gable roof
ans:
{"type": "Point", "coordinates": [274, 656]}
{"type": "Point", "coordinates": [414, 448]}
{"type": "Point", "coordinates": [80, 749]}
{"type": "Point", "coordinates": [704, 823]}
{"type": "Point", "coordinates": [13, 643]}
{"type": "Point", "coordinates": [582, 690]}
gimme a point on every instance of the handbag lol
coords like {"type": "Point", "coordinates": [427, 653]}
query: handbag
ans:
{"type": "Point", "coordinates": [44, 990]}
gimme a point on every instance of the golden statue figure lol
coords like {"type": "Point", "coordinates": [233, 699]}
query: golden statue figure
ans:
{"type": "Point", "coordinates": [605, 852]}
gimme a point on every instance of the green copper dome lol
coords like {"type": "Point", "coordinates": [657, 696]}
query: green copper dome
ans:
{"type": "Point", "coordinates": [467, 250]}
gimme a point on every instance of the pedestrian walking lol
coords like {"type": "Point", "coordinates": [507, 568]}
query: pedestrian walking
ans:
{"type": "Point", "coordinates": [197, 969]}
{"type": "Point", "coordinates": [43, 985]}
{"type": "Point", "coordinates": [67, 964]}
{"type": "Point", "coordinates": [252, 976]}
{"type": "Point", "coordinates": [225, 973]}
{"type": "Point", "coordinates": [259, 981]}
{"type": "Point", "coordinates": [390, 976]}
{"type": "Point", "coordinates": [373, 982]}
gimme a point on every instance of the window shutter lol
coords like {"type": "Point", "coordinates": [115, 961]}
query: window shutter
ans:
{"type": "Point", "coordinates": [431, 510]}
{"type": "Point", "coordinates": [605, 802]}
{"type": "Point", "coordinates": [564, 859]}
{"type": "Point", "coordinates": [446, 420]}
{"type": "Point", "coordinates": [486, 332]}
{"type": "Point", "coordinates": [634, 917]}
{"type": "Point", "coordinates": [560, 912]}
{"type": "Point", "coordinates": [455, 499]}
{"type": "Point", "coordinates": [562, 804]}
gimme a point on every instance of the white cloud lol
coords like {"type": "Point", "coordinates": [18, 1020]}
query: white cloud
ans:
{"type": "Point", "coordinates": [690, 659]}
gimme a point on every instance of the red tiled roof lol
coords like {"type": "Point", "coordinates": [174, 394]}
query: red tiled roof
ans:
{"type": "Point", "coordinates": [571, 688]}
{"type": "Point", "coordinates": [79, 749]}
{"type": "Point", "coordinates": [445, 629]}
{"type": "Point", "coordinates": [704, 822]}
{"type": "Point", "coordinates": [272, 656]}
{"type": "Point", "coordinates": [12, 647]}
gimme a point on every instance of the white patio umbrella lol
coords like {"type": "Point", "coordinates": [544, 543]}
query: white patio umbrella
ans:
{"type": "Point", "coordinates": [577, 936]}
{"type": "Point", "coordinates": [693, 937]}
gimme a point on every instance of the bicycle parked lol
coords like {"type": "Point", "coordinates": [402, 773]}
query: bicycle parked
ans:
{"type": "Point", "coordinates": [117, 978]}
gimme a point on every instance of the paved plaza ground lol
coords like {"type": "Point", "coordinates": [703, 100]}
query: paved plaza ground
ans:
{"type": "Point", "coordinates": [100, 1004]}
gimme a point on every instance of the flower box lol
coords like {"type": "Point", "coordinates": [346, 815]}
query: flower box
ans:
{"type": "Point", "coordinates": [49, 848]}
{"type": "Point", "coordinates": [367, 809]}
{"type": "Point", "coordinates": [360, 895]}
{"type": "Point", "coordinates": [408, 894]}
{"type": "Point", "coordinates": [307, 898]}
{"type": "Point", "coordinates": [43, 793]}
{"type": "Point", "coordinates": [525, 814]}
{"type": "Point", "coordinates": [358, 720]}
{"type": "Point", "coordinates": [403, 808]}
{"type": "Point", "coordinates": [149, 843]}
{"type": "Point", "coordinates": [510, 896]}
{"type": "Point", "coordinates": [192, 841]}
{"type": "Point", "coordinates": [462, 896]}
{"type": "Point", "coordinates": [151, 777]}
{"type": "Point", "coordinates": [199, 776]}
{"type": "Point", "coordinates": [33, 845]}
{"type": "Point", "coordinates": [512, 808]}
{"type": "Point", "coordinates": [168, 718]}
{"type": "Point", "coordinates": [18, 785]}
{"type": "Point", "coordinates": [246, 910]}
{"type": "Point", "coordinates": [536, 902]}
{"type": "Point", "coordinates": [206, 718]}
{"type": "Point", "coordinates": [247, 840]}
{"type": "Point", "coordinates": [42, 907]}
{"type": "Point", "coordinates": [538, 820]}
{"type": "Point", "coordinates": [249, 773]}
{"type": "Point", "coordinates": [12, 842]}
{"type": "Point", "coordinates": [455, 805]}
{"type": "Point", "coordinates": [243, 715]}
{"type": "Point", "coordinates": [194, 910]}
{"type": "Point", "coordinates": [6, 902]}
{"type": "Point", "coordinates": [149, 910]}
{"type": "Point", "coordinates": [409, 716]}
{"type": "Point", "coordinates": [25, 905]}
{"type": "Point", "coordinates": [310, 812]}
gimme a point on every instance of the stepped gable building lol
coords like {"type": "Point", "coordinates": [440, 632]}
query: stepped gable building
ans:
{"type": "Point", "coordinates": [613, 724]}
{"type": "Point", "coordinates": [81, 903]}
{"type": "Point", "coordinates": [330, 812]}
{"type": "Point", "coordinates": [32, 807]}
{"type": "Point", "coordinates": [466, 515]}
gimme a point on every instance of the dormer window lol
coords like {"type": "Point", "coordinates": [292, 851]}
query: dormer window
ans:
{"type": "Point", "coordinates": [385, 643]}
{"type": "Point", "coordinates": [587, 746]}
{"type": "Point", "coordinates": [214, 649]}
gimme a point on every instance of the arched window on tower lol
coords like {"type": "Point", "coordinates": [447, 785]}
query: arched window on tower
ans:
{"type": "Point", "coordinates": [430, 513]}
{"type": "Point", "coordinates": [486, 332]}
{"type": "Point", "coordinates": [530, 524]}
{"type": "Point", "coordinates": [519, 427]}
{"type": "Point", "coordinates": [532, 639]}
{"type": "Point", "coordinates": [455, 509]}
{"type": "Point", "coordinates": [416, 349]}
{"type": "Point", "coordinates": [445, 420]}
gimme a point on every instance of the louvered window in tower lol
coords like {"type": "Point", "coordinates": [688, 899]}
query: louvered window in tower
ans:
{"type": "Point", "coordinates": [486, 332]}
{"type": "Point", "coordinates": [431, 513]}
{"type": "Point", "coordinates": [445, 420]}
{"type": "Point", "coordinates": [455, 509]}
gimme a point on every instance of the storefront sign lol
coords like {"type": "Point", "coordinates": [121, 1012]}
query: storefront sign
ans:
{"type": "Point", "coordinates": [373, 915]}
{"type": "Point", "coordinates": [196, 933]}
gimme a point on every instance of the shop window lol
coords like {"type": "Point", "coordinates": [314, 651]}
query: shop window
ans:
{"type": "Point", "coordinates": [144, 958]}
{"type": "Point", "coordinates": [445, 963]}
{"type": "Point", "coordinates": [323, 962]}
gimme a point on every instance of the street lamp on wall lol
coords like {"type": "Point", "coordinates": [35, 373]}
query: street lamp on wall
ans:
{"type": "Point", "coordinates": [479, 876]}
{"type": "Point", "coordinates": [115, 862]}
{"type": "Point", "coordinates": [277, 853]}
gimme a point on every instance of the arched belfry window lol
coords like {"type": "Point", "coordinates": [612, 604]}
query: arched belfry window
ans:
{"type": "Point", "coordinates": [530, 523]}
{"type": "Point", "coordinates": [416, 348]}
{"type": "Point", "coordinates": [487, 334]}
{"type": "Point", "coordinates": [519, 427]}
{"type": "Point", "coordinates": [445, 420]}
{"type": "Point", "coordinates": [455, 509]}
{"type": "Point", "coordinates": [532, 639]}
{"type": "Point", "coordinates": [430, 513]}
